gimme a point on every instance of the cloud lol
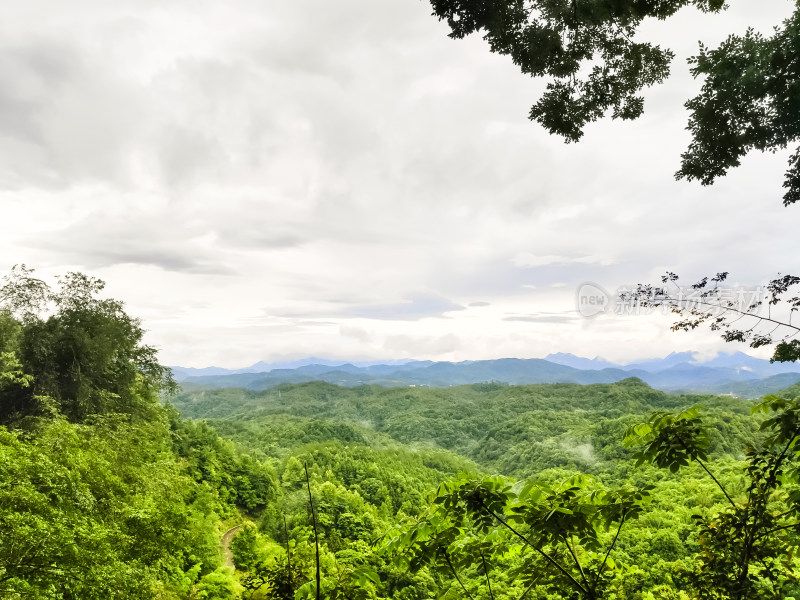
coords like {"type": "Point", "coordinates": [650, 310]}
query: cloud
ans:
{"type": "Point", "coordinates": [357, 333]}
{"type": "Point", "coordinates": [348, 179]}
{"type": "Point", "coordinates": [101, 241]}
{"type": "Point", "coordinates": [542, 318]}
{"type": "Point", "coordinates": [528, 260]}
{"type": "Point", "coordinates": [418, 307]}
{"type": "Point", "coordinates": [421, 346]}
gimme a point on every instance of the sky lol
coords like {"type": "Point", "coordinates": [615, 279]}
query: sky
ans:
{"type": "Point", "coordinates": [274, 180]}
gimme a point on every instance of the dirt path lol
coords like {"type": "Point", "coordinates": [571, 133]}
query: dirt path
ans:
{"type": "Point", "coordinates": [225, 542]}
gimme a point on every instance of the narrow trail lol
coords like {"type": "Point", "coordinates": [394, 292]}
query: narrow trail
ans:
{"type": "Point", "coordinates": [225, 542]}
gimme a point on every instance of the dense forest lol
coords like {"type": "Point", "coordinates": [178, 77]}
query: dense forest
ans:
{"type": "Point", "coordinates": [115, 484]}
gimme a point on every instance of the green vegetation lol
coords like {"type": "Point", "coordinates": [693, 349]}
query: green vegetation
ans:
{"type": "Point", "coordinates": [546, 434]}
{"type": "Point", "coordinates": [514, 430]}
{"type": "Point", "coordinates": [485, 491]}
{"type": "Point", "coordinates": [597, 65]}
{"type": "Point", "coordinates": [107, 493]}
{"type": "Point", "coordinates": [103, 492]}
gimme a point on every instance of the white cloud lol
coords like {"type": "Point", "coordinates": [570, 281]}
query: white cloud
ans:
{"type": "Point", "coordinates": [528, 260]}
{"type": "Point", "coordinates": [292, 178]}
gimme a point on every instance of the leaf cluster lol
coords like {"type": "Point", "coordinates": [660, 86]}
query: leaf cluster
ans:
{"type": "Point", "coordinates": [750, 100]}
{"type": "Point", "coordinates": [586, 48]}
{"type": "Point", "coordinates": [670, 441]}
{"type": "Point", "coordinates": [561, 531]}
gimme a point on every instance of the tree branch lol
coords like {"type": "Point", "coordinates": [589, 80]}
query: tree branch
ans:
{"type": "Point", "coordinates": [677, 303]}
{"type": "Point", "coordinates": [719, 485]}
{"type": "Point", "coordinates": [710, 474]}
{"type": "Point", "coordinates": [771, 531]}
{"type": "Point", "coordinates": [608, 552]}
{"type": "Point", "coordinates": [527, 589]}
{"type": "Point", "coordinates": [455, 573]}
{"type": "Point", "coordinates": [547, 557]}
{"type": "Point", "coordinates": [486, 574]}
{"type": "Point", "coordinates": [577, 562]}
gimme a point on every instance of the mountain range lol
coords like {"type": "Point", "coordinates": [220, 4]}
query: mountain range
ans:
{"type": "Point", "coordinates": [736, 374]}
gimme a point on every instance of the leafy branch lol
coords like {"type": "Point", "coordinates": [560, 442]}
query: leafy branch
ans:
{"type": "Point", "coordinates": [567, 521]}
{"type": "Point", "coordinates": [747, 536]}
{"type": "Point", "coordinates": [709, 302]}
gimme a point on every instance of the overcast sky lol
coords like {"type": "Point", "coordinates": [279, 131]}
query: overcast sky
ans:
{"type": "Point", "coordinates": [268, 180]}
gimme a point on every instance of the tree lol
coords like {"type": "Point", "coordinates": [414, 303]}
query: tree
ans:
{"type": "Point", "coordinates": [74, 352]}
{"type": "Point", "coordinates": [220, 584]}
{"type": "Point", "coordinates": [97, 511]}
{"type": "Point", "coordinates": [750, 97]}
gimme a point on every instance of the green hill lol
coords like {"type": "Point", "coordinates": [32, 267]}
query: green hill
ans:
{"type": "Point", "coordinates": [516, 430]}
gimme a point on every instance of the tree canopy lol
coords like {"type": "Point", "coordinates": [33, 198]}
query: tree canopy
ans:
{"type": "Point", "coordinates": [750, 99]}
{"type": "Point", "coordinates": [67, 350]}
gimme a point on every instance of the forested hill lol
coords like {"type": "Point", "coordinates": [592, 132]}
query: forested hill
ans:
{"type": "Point", "coordinates": [371, 442]}
{"type": "Point", "coordinates": [515, 430]}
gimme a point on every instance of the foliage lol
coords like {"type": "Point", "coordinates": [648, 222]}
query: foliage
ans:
{"type": "Point", "coordinates": [82, 355]}
{"type": "Point", "coordinates": [587, 48]}
{"type": "Point", "coordinates": [220, 584]}
{"type": "Point", "coordinates": [597, 65]}
{"type": "Point", "coordinates": [750, 100]}
{"type": "Point", "coordinates": [670, 441]}
{"type": "Point", "coordinates": [365, 482]}
{"type": "Point", "coordinates": [100, 496]}
{"type": "Point", "coordinates": [746, 548]}
{"type": "Point", "coordinates": [94, 511]}
{"type": "Point", "coordinates": [238, 478]}
{"type": "Point", "coordinates": [560, 533]}
{"type": "Point", "coordinates": [515, 430]}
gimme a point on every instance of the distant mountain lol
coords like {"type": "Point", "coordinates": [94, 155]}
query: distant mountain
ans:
{"type": "Point", "coordinates": [578, 362]}
{"type": "Point", "coordinates": [264, 367]}
{"type": "Point", "coordinates": [315, 364]}
{"type": "Point", "coordinates": [738, 374]}
{"type": "Point", "coordinates": [184, 373]}
{"type": "Point", "coordinates": [739, 361]}
{"type": "Point", "coordinates": [748, 367]}
{"type": "Point", "coordinates": [660, 364]}
{"type": "Point", "coordinates": [746, 363]}
{"type": "Point", "coordinates": [753, 388]}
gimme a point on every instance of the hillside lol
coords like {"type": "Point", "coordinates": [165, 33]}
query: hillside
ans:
{"type": "Point", "coordinates": [370, 442]}
{"type": "Point", "coordinates": [516, 430]}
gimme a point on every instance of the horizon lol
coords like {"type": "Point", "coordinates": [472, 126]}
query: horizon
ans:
{"type": "Point", "coordinates": [697, 357]}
